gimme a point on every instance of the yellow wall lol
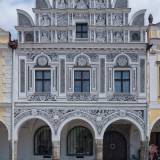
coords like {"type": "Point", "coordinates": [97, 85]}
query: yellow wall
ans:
{"type": "Point", "coordinates": [2, 117]}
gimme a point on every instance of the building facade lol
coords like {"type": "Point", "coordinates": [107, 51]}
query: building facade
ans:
{"type": "Point", "coordinates": [80, 82]}
{"type": "Point", "coordinates": [153, 59]}
{"type": "Point", "coordinates": [5, 96]}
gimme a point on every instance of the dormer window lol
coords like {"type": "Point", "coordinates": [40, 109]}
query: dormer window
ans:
{"type": "Point", "coordinates": [81, 30]}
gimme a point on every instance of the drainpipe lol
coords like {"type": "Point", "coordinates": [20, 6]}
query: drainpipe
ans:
{"type": "Point", "coordinates": [13, 45]}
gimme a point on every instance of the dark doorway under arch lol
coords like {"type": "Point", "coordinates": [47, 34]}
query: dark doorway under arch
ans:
{"type": "Point", "coordinates": [114, 146]}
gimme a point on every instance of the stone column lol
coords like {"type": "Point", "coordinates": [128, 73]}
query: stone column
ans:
{"type": "Point", "coordinates": [55, 150]}
{"type": "Point", "coordinates": [143, 150]}
{"type": "Point", "coordinates": [15, 149]}
{"type": "Point", "coordinates": [99, 149]}
{"type": "Point", "coordinates": [10, 149]}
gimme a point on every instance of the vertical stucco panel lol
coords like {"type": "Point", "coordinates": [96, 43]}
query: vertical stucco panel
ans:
{"type": "Point", "coordinates": [2, 74]}
{"type": "Point", "coordinates": [6, 75]}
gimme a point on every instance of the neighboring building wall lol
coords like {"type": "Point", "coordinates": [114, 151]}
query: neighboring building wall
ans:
{"type": "Point", "coordinates": [5, 95]}
{"type": "Point", "coordinates": [154, 75]}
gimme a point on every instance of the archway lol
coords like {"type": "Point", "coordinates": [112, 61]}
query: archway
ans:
{"type": "Point", "coordinates": [34, 140]}
{"type": "Point", "coordinates": [155, 134]}
{"type": "Point", "coordinates": [122, 139]}
{"type": "Point", "coordinates": [4, 147]}
{"type": "Point", "coordinates": [84, 148]}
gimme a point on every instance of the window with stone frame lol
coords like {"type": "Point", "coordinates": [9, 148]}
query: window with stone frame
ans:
{"type": "Point", "coordinates": [122, 81]}
{"type": "Point", "coordinates": [135, 36]}
{"type": "Point", "coordinates": [42, 81]}
{"type": "Point", "coordinates": [81, 30]}
{"type": "Point", "coordinates": [81, 81]}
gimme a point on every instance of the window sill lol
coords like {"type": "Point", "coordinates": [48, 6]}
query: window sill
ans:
{"type": "Point", "coordinates": [82, 39]}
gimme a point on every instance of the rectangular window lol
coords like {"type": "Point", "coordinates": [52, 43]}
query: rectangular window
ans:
{"type": "Point", "coordinates": [81, 81]}
{"type": "Point", "coordinates": [81, 30]}
{"type": "Point", "coordinates": [122, 81]}
{"type": "Point", "coordinates": [43, 81]}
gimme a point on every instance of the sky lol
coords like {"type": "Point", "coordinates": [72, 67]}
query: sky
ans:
{"type": "Point", "coordinates": [8, 17]}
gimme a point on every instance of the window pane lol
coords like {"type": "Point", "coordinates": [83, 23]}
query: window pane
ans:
{"type": "Point", "coordinates": [77, 75]}
{"type": "Point", "coordinates": [78, 35]}
{"type": "Point", "coordinates": [126, 86]}
{"type": "Point", "coordinates": [126, 75]}
{"type": "Point", "coordinates": [117, 75]}
{"type": "Point", "coordinates": [86, 86]}
{"type": "Point", "coordinates": [38, 86]}
{"type": "Point", "coordinates": [84, 35]}
{"type": "Point", "coordinates": [47, 75]}
{"type": "Point", "coordinates": [78, 28]}
{"type": "Point", "coordinates": [117, 86]}
{"type": "Point", "coordinates": [86, 75]}
{"type": "Point", "coordinates": [77, 86]}
{"type": "Point", "coordinates": [47, 86]}
{"type": "Point", "coordinates": [42, 141]}
{"type": "Point", "coordinates": [85, 28]}
{"type": "Point", "coordinates": [38, 74]}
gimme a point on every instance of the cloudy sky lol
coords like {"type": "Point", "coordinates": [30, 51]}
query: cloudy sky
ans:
{"type": "Point", "coordinates": [8, 17]}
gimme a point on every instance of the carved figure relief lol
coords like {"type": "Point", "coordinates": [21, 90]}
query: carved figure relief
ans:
{"type": "Point", "coordinates": [101, 36]}
{"type": "Point", "coordinates": [100, 19]}
{"type": "Point", "coordinates": [118, 37]}
{"type": "Point", "coordinates": [117, 19]}
{"type": "Point", "coordinates": [100, 3]}
{"type": "Point", "coordinates": [62, 4]}
{"type": "Point", "coordinates": [62, 36]}
{"type": "Point", "coordinates": [45, 20]}
{"type": "Point", "coordinates": [82, 4]}
{"type": "Point", "coordinates": [45, 36]}
{"type": "Point", "coordinates": [62, 19]}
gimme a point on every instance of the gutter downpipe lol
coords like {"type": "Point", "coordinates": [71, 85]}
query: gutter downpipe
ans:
{"type": "Point", "coordinates": [13, 45]}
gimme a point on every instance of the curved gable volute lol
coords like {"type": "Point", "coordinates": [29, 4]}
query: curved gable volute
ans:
{"type": "Point", "coordinates": [138, 18]}
{"type": "Point", "coordinates": [24, 19]}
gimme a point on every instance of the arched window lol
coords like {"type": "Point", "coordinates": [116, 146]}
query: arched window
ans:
{"type": "Point", "coordinates": [80, 142]}
{"type": "Point", "coordinates": [42, 141]}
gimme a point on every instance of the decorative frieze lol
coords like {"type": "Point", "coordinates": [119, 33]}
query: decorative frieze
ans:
{"type": "Point", "coordinates": [41, 97]}
{"type": "Point", "coordinates": [81, 15]}
{"type": "Point", "coordinates": [122, 97]}
{"type": "Point", "coordinates": [82, 97]}
{"type": "Point", "coordinates": [98, 117]}
{"type": "Point", "coordinates": [62, 4]}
